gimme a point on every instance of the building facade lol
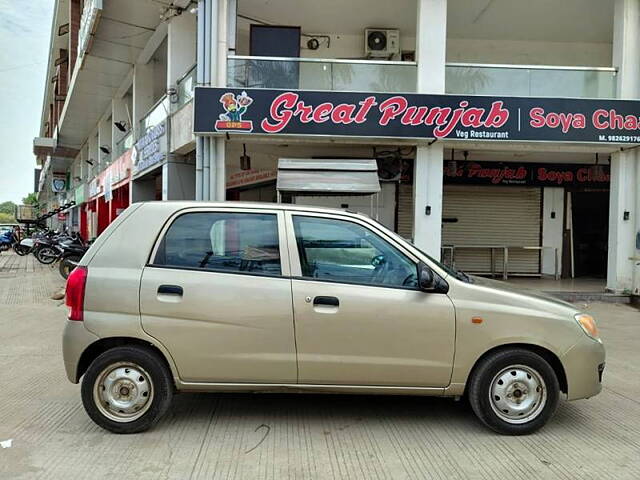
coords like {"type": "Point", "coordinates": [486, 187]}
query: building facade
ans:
{"type": "Point", "coordinates": [504, 131]}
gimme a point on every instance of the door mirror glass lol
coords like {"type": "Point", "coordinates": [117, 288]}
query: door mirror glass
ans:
{"type": "Point", "coordinates": [426, 278]}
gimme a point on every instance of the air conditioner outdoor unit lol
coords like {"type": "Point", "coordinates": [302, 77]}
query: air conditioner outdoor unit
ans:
{"type": "Point", "coordinates": [381, 42]}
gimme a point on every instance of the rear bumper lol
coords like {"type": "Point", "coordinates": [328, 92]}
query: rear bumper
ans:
{"type": "Point", "coordinates": [584, 364]}
{"type": "Point", "coordinates": [75, 340]}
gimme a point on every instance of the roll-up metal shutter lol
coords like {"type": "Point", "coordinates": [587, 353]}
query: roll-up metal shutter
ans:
{"type": "Point", "coordinates": [405, 210]}
{"type": "Point", "coordinates": [497, 216]}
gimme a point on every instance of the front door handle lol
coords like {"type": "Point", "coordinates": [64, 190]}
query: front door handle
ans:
{"type": "Point", "coordinates": [170, 290]}
{"type": "Point", "coordinates": [328, 301]}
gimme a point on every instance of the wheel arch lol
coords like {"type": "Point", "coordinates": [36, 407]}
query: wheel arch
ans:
{"type": "Point", "coordinates": [98, 347]}
{"type": "Point", "coordinates": [545, 353]}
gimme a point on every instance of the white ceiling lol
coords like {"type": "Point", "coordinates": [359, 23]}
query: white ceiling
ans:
{"type": "Point", "coordinates": [549, 20]}
{"type": "Point", "coordinates": [124, 29]}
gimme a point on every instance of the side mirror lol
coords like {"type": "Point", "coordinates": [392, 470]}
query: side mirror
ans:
{"type": "Point", "coordinates": [426, 278]}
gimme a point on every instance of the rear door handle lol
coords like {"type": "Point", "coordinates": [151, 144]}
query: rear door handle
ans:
{"type": "Point", "coordinates": [170, 290]}
{"type": "Point", "coordinates": [328, 301]}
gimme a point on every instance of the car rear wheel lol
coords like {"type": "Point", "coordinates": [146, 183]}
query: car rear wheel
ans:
{"type": "Point", "coordinates": [514, 392]}
{"type": "Point", "coordinates": [127, 389]}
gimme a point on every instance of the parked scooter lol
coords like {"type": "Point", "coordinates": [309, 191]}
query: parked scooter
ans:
{"type": "Point", "coordinates": [9, 239]}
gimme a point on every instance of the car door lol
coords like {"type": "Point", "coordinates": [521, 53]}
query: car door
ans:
{"type": "Point", "coordinates": [217, 294]}
{"type": "Point", "coordinates": [360, 318]}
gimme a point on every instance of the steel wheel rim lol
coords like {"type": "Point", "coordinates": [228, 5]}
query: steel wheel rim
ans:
{"type": "Point", "coordinates": [123, 392]}
{"type": "Point", "coordinates": [518, 394]}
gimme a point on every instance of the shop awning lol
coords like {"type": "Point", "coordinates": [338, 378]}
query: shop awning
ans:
{"type": "Point", "coordinates": [337, 176]}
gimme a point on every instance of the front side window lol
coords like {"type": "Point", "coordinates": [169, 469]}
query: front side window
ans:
{"type": "Point", "coordinates": [228, 242]}
{"type": "Point", "coordinates": [343, 251]}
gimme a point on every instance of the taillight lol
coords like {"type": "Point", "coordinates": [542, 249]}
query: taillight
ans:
{"type": "Point", "coordinates": [76, 284]}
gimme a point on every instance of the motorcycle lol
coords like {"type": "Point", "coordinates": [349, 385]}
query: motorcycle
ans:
{"type": "Point", "coordinates": [70, 258]}
{"type": "Point", "coordinates": [50, 249]}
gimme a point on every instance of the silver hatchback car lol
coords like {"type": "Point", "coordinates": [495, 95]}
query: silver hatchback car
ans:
{"type": "Point", "coordinates": [186, 296]}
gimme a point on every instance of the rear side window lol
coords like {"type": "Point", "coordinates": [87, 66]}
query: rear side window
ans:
{"type": "Point", "coordinates": [227, 242]}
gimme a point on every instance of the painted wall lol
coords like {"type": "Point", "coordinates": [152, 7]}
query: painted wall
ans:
{"type": "Point", "coordinates": [525, 53]}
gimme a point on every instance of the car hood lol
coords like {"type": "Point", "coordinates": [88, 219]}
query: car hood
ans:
{"type": "Point", "coordinates": [524, 293]}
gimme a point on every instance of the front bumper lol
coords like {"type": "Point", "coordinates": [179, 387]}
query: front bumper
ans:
{"type": "Point", "coordinates": [584, 364]}
{"type": "Point", "coordinates": [75, 340]}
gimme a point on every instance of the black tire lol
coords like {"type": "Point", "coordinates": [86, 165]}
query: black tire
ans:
{"type": "Point", "coordinates": [160, 390]}
{"type": "Point", "coordinates": [67, 264]}
{"type": "Point", "coordinates": [50, 255]}
{"type": "Point", "coordinates": [20, 249]}
{"type": "Point", "coordinates": [500, 363]}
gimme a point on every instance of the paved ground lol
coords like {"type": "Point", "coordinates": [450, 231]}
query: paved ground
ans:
{"type": "Point", "coordinates": [289, 436]}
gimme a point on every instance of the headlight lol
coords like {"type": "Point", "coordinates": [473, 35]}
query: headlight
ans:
{"type": "Point", "coordinates": [588, 324]}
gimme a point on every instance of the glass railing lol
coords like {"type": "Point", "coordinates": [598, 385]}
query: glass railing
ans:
{"type": "Point", "coordinates": [184, 89]}
{"type": "Point", "coordinates": [531, 80]}
{"type": "Point", "coordinates": [156, 115]}
{"type": "Point", "coordinates": [124, 144]}
{"type": "Point", "coordinates": [321, 74]}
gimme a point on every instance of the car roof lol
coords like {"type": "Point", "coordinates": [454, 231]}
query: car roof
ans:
{"type": "Point", "coordinates": [181, 204]}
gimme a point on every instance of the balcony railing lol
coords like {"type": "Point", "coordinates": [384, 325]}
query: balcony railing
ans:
{"type": "Point", "coordinates": [184, 89]}
{"type": "Point", "coordinates": [321, 74]}
{"type": "Point", "coordinates": [124, 144]}
{"type": "Point", "coordinates": [530, 80]}
{"type": "Point", "coordinates": [383, 76]}
{"type": "Point", "coordinates": [156, 114]}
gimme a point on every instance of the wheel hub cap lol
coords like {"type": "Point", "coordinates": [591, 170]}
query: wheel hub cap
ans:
{"type": "Point", "coordinates": [123, 392]}
{"type": "Point", "coordinates": [517, 394]}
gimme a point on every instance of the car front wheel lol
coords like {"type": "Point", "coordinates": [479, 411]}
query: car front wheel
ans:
{"type": "Point", "coordinates": [514, 391]}
{"type": "Point", "coordinates": [127, 389]}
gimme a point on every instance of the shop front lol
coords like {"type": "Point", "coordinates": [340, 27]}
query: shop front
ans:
{"type": "Point", "coordinates": [547, 215]}
{"type": "Point", "coordinates": [108, 196]}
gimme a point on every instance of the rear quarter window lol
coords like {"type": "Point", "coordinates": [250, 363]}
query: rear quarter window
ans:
{"type": "Point", "coordinates": [227, 242]}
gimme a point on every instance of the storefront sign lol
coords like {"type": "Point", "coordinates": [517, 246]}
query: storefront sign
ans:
{"type": "Point", "coordinates": [151, 148]}
{"type": "Point", "coordinates": [528, 174]}
{"type": "Point", "coordinates": [59, 182]}
{"type": "Point", "coordinates": [243, 178]}
{"type": "Point", "coordinates": [380, 115]}
{"type": "Point", "coordinates": [88, 24]}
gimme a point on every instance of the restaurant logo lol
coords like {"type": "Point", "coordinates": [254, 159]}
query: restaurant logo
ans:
{"type": "Point", "coordinates": [235, 108]}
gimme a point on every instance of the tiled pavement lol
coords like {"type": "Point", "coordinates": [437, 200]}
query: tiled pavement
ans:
{"type": "Point", "coordinates": [246, 437]}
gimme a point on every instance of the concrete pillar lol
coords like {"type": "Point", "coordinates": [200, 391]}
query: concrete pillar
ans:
{"type": "Point", "coordinates": [622, 221]}
{"type": "Point", "coordinates": [626, 32]}
{"type": "Point", "coordinates": [142, 93]}
{"type": "Point", "coordinates": [552, 228]}
{"type": "Point", "coordinates": [181, 47]}
{"type": "Point", "coordinates": [427, 199]}
{"type": "Point", "coordinates": [431, 41]}
{"type": "Point", "coordinates": [623, 271]}
{"type": "Point", "coordinates": [178, 180]}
